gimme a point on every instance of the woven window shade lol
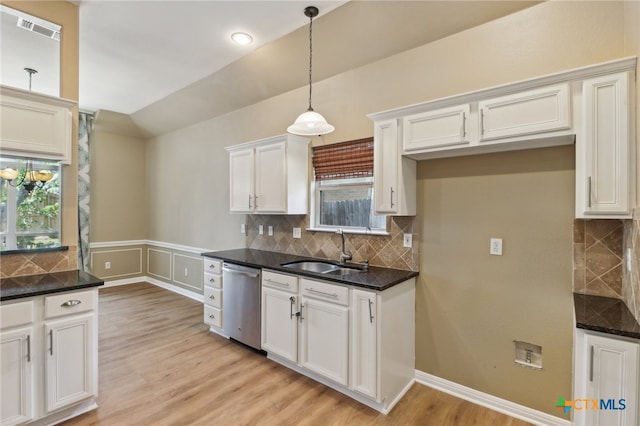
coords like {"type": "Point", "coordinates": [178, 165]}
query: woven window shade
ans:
{"type": "Point", "coordinates": [346, 160]}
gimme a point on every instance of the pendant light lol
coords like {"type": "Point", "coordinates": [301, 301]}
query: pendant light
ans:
{"type": "Point", "coordinates": [310, 123]}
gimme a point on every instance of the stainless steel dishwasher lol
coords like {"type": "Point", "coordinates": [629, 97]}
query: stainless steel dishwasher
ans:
{"type": "Point", "coordinates": [241, 303]}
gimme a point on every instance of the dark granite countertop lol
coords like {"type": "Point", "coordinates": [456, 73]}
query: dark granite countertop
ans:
{"type": "Point", "coordinates": [606, 315]}
{"type": "Point", "coordinates": [55, 282]}
{"type": "Point", "coordinates": [376, 278]}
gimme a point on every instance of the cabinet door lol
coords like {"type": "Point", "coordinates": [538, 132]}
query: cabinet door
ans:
{"type": "Point", "coordinates": [70, 369]}
{"type": "Point", "coordinates": [271, 178]}
{"type": "Point", "coordinates": [364, 327]}
{"type": "Point", "coordinates": [435, 129]}
{"type": "Point", "coordinates": [241, 181]}
{"type": "Point", "coordinates": [385, 166]}
{"type": "Point", "coordinates": [280, 323]}
{"type": "Point", "coordinates": [16, 386]}
{"type": "Point", "coordinates": [534, 111]}
{"type": "Point", "coordinates": [324, 337]}
{"type": "Point", "coordinates": [607, 175]}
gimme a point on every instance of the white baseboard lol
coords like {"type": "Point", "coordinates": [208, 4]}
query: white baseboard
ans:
{"type": "Point", "coordinates": [489, 401]}
{"type": "Point", "coordinates": [191, 295]}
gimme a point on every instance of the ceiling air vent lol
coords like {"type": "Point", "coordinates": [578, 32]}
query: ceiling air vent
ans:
{"type": "Point", "coordinates": [31, 26]}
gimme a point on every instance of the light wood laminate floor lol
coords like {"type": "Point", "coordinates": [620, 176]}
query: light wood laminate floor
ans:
{"type": "Point", "coordinates": [159, 365]}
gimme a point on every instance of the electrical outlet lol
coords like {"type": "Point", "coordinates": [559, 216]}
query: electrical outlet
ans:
{"type": "Point", "coordinates": [243, 229]}
{"type": "Point", "coordinates": [270, 230]}
{"type": "Point", "coordinates": [407, 241]}
{"type": "Point", "coordinates": [495, 246]}
{"type": "Point", "coordinates": [186, 272]}
{"type": "Point", "coordinates": [297, 233]}
{"type": "Point", "coordinates": [629, 259]}
{"type": "Point", "coordinates": [260, 229]}
{"type": "Point", "coordinates": [107, 265]}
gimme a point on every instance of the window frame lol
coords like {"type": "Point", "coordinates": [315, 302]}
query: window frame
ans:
{"type": "Point", "coordinates": [9, 238]}
{"type": "Point", "coordinates": [314, 214]}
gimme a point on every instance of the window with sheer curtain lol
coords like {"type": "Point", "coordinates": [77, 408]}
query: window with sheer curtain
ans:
{"type": "Point", "coordinates": [343, 188]}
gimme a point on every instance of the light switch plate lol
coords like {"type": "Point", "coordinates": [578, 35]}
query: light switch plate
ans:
{"type": "Point", "coordinates": [407, 240]}
{"type": "Point", "coordinates": [270, 230]}
{"type": "Point", "coordinates": [260, 229]}
{"type": "Point", "coordinates": [243, 229]}
{"type": "Point", "coordinates": [297, 233]}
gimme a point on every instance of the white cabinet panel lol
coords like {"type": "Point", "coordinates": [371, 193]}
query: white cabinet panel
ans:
{"type": "Point", "coordinates": [324, 339]}
{"type": "Point", "coordinates": [607, 371]}
{"type": "Point", "coordinates": [394, 175]}
{"type": "Point", "coordinates": [534, 111]}
{"type": "Point", "coordinates": [269, 176]}
{"type": "Point", "coordinates": [445, 127]}
{"type": "Point", "coordinates": [16, 386]}
{"type": "Point", "coordinates": [364, 340]}
{"type": "Point", "coordinates": [606, 175]}
{"type": "Point", "coordinates": [70, 369]}
{"type": "Point", "coordinates": [280, 323]}
{"type": "Point", "coordinates": [35, 125]}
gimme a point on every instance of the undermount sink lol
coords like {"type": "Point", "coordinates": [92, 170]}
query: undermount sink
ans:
{"type": "Point", "coordinates": [321, 267]}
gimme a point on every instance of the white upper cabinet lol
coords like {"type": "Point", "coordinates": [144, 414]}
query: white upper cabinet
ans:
{"type": "Point", "coordinates": [445, 127]}
{"type": "Point", "coordinates": [525, 113]}
{"type": "Point", "coordinates": [35, 125]}
{"type": "Point", "coordinates": [605, 178]}
{"type": "Point", "coordinates": [394, 176]}
{"type": "Point", "coordinates": [270, 176]}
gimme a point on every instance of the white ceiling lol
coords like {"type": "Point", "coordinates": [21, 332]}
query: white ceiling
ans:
{"type": "Point", "coordinates": [171, 64]}
{"type": "Point", "coordinates": [134, 53]}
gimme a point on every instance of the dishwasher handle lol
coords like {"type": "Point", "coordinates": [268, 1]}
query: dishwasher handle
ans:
{"type": "Point", "coordinates": [235, 271]}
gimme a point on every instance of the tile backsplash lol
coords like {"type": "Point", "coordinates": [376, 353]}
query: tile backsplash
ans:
{"type": "Point", "coordinates": [597, 257]}
{"type": "Point", "coordinates": [16, 265]}
{"type": "Point", "coordinates": [380, 250]}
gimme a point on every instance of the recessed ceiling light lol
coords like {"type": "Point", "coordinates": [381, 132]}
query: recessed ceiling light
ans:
{"type": "Point", "coordinates": [241, 38]}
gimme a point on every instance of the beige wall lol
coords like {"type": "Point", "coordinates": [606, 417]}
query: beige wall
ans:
{"type": "Point", "coordinates": [470, 305]}
{"type": "Point", "coordinates": [63, 13]}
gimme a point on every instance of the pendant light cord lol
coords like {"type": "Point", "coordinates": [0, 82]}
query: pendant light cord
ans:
{"type": "Point", "coordinates": [310, 58]}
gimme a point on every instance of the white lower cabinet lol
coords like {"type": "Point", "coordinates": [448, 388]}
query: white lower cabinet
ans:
{"type": "Point", "coordinates": [324, 339]}
{"type": "Point", "coordinates": [364, 342]}
{"type": "Point", "coordinates": [336, 334]}
{"type": "Point", "coordinates": [49, 357]}
{"type": "Point", "coordinates": [606, 380]}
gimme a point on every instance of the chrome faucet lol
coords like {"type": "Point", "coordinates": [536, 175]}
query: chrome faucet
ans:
{"type": "Point", "coordinates": [345, 255]}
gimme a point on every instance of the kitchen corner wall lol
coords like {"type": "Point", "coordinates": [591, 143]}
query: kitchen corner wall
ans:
{"type": "Point", "coordinates": [631, 278]}
{"type": "Point", "coordinates": [380, 250]}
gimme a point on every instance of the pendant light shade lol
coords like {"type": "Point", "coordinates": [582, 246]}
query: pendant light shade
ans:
{"type": "Point", "coordinates": [310, 123]}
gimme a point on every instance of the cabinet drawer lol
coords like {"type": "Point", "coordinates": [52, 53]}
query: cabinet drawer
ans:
{"type": "Point", "coordinates": [213, 266]}
{"type": "Point", "coordinates": [16, 314]}
{"type": "Point", "coordinates": [213, 297]}
{"type": "Point", "coordinates": [212, 316]}
{"type": "Point", "coordinates": [213, 280]}
{"type": "Point", "coordinates": [279, 281]}
{"type": "Point", "coordinates": [325, 291]}
{"type": "Point", "coordinates": [70, 303]}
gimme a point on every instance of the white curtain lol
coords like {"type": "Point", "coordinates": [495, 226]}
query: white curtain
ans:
{"type": "Point", "coordinates": [85, 124]}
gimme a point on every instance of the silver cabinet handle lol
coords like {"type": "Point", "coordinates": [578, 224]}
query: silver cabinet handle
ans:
{"type": "Point", "coordinates": [463, 128]}
{"type": "Point", "coordinates": [270, 281]}
{"type": "Point", "coordinates": [482, 121]}
{"type": "Point", "coordinates": [249, 201]}
{"type": "Point", "coordinates": [370, 313]}
{"type": "Point", "coordinates": [255, 201]}
{"type": "Point", "coordinates": [589, 191]}
{"type": "Point", "coordinates": [591, 364]}
{"type": "Point", "coordinates": [51, 342]}
{"type": "Point", "coordinates": [392, 196]}
{"type": "Point", "coordinates": [312, 290]}
{"type": "Point", "coordinates": [70, 303]}
{"type": "Point", "coordinates": [28, 348]}
{"type": "Point", "coordinates": [211, 316]}
{"type": "Point", "coordinates": [293, 301]}
{"type": "Point", "coordinates": [212, 280]}
{"type": "Point", "coordinates": [212, 297]}
{"type": "Point", "coordinates": [300, 313]}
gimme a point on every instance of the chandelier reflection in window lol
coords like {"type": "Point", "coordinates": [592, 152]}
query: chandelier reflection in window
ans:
{"type": "Point", "coordinates": [29, 179]}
